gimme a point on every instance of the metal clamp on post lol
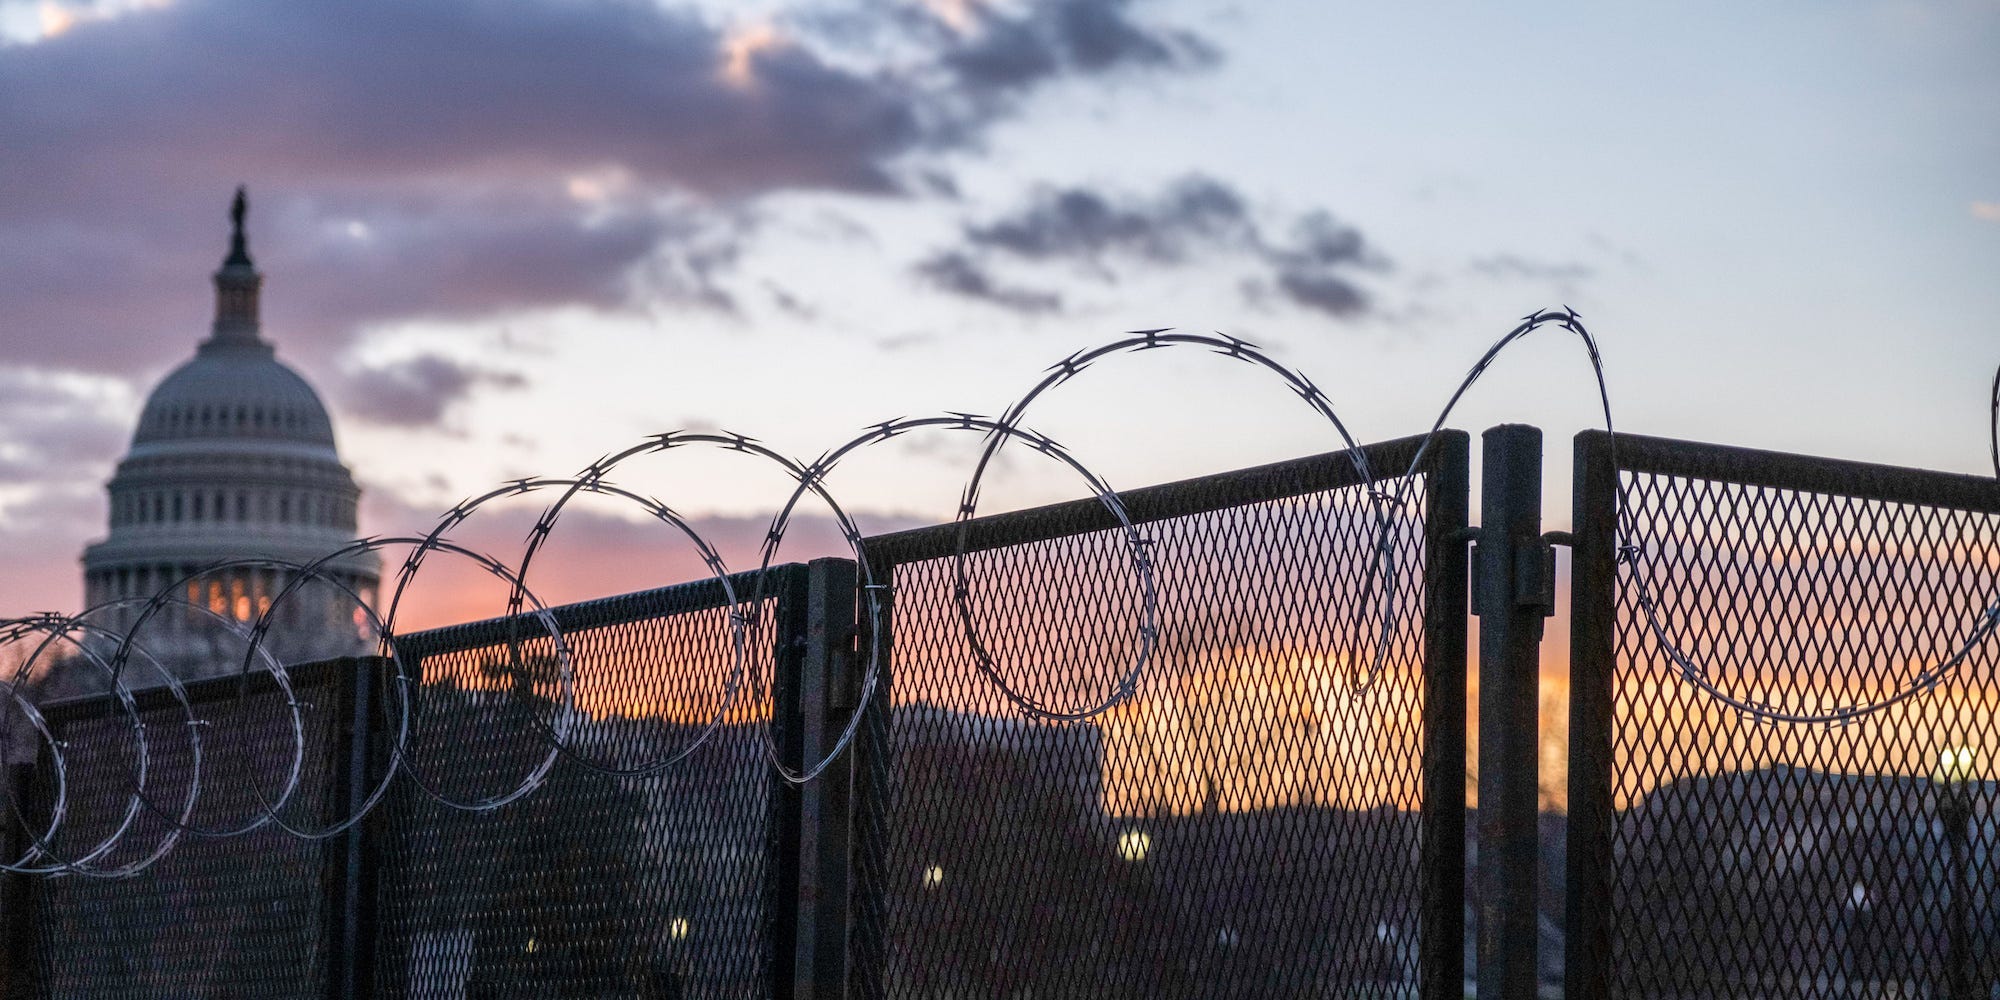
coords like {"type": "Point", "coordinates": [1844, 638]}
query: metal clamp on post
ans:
{"type": "Point", "coordinates": [1534, 572]}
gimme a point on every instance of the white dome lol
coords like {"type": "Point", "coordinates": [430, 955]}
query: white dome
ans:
{"type": "Point", "coordinates": [234, 391]}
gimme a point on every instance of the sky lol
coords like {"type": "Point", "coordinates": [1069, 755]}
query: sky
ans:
{"type": "Point", "coordinates": [505, 239]}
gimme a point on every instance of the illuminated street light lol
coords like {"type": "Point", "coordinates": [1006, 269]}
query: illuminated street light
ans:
{"type": "Point", "coordinates": [933, 877]}
{"type": "Point", "coordinates": [1133, 845]}
{"type": "Point", "coordinates": [1954, 767]}
{"type": "Point", "coordinates": [679, 928]}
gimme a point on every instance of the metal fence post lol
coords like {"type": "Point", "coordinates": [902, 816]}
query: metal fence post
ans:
{"type": "Point", "coordinates": [1510, 588]}
{"type": "Point", "coordinates": [784, 906]}
{"type": "Point", "coordinates": [824, 705]}
{"type": "Point", "coordinates": [17, 891]}
{"type": "Point", "coordinates": [867, 910]}
{"type": "Point", "coordinates": [351, 856]}
{"type": "Point", "coordinates": [1442, 928]}
{"type": "Point", "coordinates": [1593, 651]}
{"type": "Point", "coordinates": [1593, 634]}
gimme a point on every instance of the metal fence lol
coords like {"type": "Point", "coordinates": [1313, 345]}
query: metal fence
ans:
{"type": "Point", "coordinates": [1275, 811]}
{"type": "Point", "coordinates": [245, 916]}
{"type": "Point", "coordinates": [1716, 853]}
{"type": "Point", "coordinates": [682, 883]}
{"type": "Point", "coordinates": [597, 884]}
{"type": "Point", "coordinates": [1277, 808]}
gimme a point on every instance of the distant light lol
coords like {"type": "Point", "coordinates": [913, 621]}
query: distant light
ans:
{"type": "Point", "coordinates": [1133, 845]}
{"type": "Point", "coordinates": [532, 945]}
{"type": "Point", "coordinates": [679, 928]}
{"type": "Point", "coordinates": [1954, 766]}
{"type": "Point", "coordinates": [933, 877]}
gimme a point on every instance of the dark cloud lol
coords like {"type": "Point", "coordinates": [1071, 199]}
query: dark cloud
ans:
{"type": "Point", "coordinates": [1326, 293]}
{"type": "Point", "coordinates": [459, 159]}
{"type": "Point", "coordinates": [959, 274]}
{"type": "Point", "coordinates": [1193, 215]}
{"type": "Point", "coordinates": [416, 392]}
{"type": "Point", "coordinates": [1310, 268]}
{"type": "Point", "coordinates": [1010, 52]}
{"type": "Point", "coordinates": [339, 265]}
{"type": "Point", "coordinates": [1195, 218]}
{"type": "Point", "coordinates": [330, 92]}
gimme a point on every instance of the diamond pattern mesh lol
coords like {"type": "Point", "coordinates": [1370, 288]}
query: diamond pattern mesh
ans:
{"type": "Point", "coordinates": [1759, 859]}
{"type": "Point", "coordinates": [592, 885]}
{"type": "Point", "coordinates": [240, 917]}
{"type": "Point", "coordinates": [1246, 825]}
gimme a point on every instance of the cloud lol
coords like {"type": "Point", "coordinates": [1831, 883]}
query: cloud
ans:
{"type": "Point", "coordinates": [1074, 222]}
{"type": "Point", "coordinates": [959, 274]}
{"type": "Point", "coordinates": [57, 429]}
{"type": "Point", "coordinates": [1326, 293]}
{"type": "Point", "coordinates": [59, 435]}
{"type": "Point", "coordinates": [416, 392]}
{"type": "Point", "coordinates": [1192, 219]}
{"type": "Point", "coordinates": [461, 159]}
{"type": "Point", "coordinates": [1986, 210]}
{"type": "Point", "coordinates": [1310, 267]}
{"type": "Point", "coordinates": [1002, 54]}
{"type": "Point", "coordinates": [1507, 265]}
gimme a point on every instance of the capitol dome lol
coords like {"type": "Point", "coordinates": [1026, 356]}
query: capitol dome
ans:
{"type": "Point", "coordinates": [235, 392]}
{"type": "Point", "coordinates": [233, 459]}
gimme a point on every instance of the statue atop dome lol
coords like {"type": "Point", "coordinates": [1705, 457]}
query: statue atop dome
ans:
{"type": "Point", "coordinates": [239, 249]}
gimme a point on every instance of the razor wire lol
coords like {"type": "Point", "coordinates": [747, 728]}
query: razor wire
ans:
{"type": "Point", "coordinates": [556, 731]}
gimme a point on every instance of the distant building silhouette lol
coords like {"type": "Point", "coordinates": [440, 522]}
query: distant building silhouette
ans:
{"type": "Point", "coordinates": [1796, 874]}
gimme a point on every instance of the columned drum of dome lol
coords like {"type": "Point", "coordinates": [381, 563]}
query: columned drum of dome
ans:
{"type": "Point", "coordinates": [233, 458]}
